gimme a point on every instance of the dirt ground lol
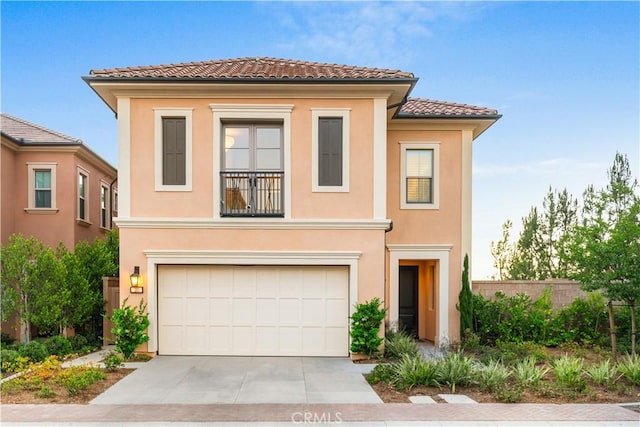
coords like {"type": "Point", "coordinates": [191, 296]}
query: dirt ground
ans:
{"type": "Point", "coordinates": [61, 394]}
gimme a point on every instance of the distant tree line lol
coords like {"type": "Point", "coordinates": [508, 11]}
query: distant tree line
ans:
{"type": "Point", "coordinates": [595, 241]}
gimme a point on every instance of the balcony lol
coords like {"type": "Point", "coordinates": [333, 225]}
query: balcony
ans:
{"type": "Point", "coordinates": [251, 194]}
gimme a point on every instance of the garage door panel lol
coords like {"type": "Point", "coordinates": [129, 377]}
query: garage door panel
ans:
{"type": "Point", "coordinates": [220, 311]}
{"type": "Point", "coordinates": [266, 311]}
{"type": "Point", "coordinates": [197, 312]}
{"type": "Point", "coordinates": [253, 310]}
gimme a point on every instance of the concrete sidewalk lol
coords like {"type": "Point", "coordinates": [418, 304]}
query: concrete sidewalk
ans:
{"type": "Point", "coordinates": [398, 414]}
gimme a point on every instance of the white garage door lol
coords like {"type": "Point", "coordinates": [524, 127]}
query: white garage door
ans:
{"type": "Point", "coordinates": [253, 310]}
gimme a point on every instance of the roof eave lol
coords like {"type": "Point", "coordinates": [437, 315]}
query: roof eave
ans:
{"type": "Point", "coordinates": [480, 122]}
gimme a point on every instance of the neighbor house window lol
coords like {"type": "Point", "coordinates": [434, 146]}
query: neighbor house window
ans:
{"type": "Point", "coordinates": [419, 176]}
{"type": "Point", "coordinates": [173, 144]}
{"type": "Point", "coordinates": [104, 205]}
{"type": "Point", "coordinates": [42, 187]}
{"type": "Point", "coordinates": [83, 195]}
{"type": "Point", "coordinates": [330, 149]}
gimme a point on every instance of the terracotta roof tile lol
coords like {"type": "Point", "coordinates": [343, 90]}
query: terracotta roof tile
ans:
{"type": "Point", "coordinates": [24, 132]}
{"type": "Point", "coordinates": [418, 107]}
{"type": "Point", "coordinates": [253, 68]}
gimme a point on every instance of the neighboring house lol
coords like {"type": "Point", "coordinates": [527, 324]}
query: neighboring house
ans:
{"type": "Point", "coordinates": [53, 186]}
{"type": "Point", "coordinates": [262, 198]}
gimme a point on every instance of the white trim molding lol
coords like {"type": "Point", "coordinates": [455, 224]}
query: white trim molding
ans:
{"type": "Point", "coordinates": [253, 223]}
{"type": "Point", "coordinates": [435, 178]}
{"type": "Point", "coordinates": [379, 178]}
{"type": "Point", "coordinates": [438, 252]}
{"type": "Point", "coordinates": [467, 193]}
{"type": "Point", "coordinates": [157, 257]}
{"type": "Point", "coordinates": [158, 115]}
{"type": "Point", "coordinates": [316, 115]}
{"type": "Point", "coordinates": [124, 157]}
{"type": "Point", "coordinates": [222, 112]}
{"type": "Point", "coordinates": [32, 167]}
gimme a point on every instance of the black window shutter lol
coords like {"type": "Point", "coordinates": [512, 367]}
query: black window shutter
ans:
{"type": "Point", "coordinates": [174, 151]}
{"type": "Point", "coordinates": [330, 151]}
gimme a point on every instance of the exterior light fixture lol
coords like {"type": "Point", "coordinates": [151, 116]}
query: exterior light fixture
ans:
{"type": "Point", "coordinates": [136, 283]}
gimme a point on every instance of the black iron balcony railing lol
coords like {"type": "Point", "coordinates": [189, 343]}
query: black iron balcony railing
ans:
{"type": "Point", "coordinates": [251, 194]}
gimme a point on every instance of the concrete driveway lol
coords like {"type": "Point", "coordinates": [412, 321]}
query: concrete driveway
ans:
{"type": "Point", "coordinates": [209, 379]}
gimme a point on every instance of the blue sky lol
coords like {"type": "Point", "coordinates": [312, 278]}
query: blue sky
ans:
{"type": "Point", "coordinates": [565, 75]}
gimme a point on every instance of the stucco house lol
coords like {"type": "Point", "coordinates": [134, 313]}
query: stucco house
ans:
{"type": "Point", "coordinates": [261, 198]}
{"type": "Point", "coordinates": [54, 187]}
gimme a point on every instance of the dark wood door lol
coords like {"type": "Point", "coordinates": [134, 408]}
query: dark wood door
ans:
{"type": "Point", "coordinates": [408, 310]}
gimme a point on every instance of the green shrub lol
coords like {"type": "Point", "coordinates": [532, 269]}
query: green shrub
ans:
{"type": "Point", "coordinates": [58, 345]}
{"type": "Point", "coordinates": [130, 326]}
{"type": "Point", "coordinates": [629, 366]}
{"type": "Point", "coordinates": [8, 359]}
{"type": "Point", "coordinates": [413, 370]}
{"type": "Point", "coordinates": [34, 350]}
{"type": "Point", "coordinates": [365, 327]}
{"type": "Point", "coordinates": [513, 352]}
{"type": "Point", "coordinates": [381, 373]}
{"type": "Point", "coordinates": [78, 378]}
{"type": "Point", "coordinates": [113, 361]}
{"type": "Point", "coordinates": [45, 392]}
{"type": "Point", "coordinates": [603, 373]}
{"type": "Point", "coordinates": [398, 343]}
{"type": "Point", "coordinates": [492, 376]}
{"type": "Point", "coordinates": [455, 369]}
{"type": "Point", "coordinates": [568, 372]}
{"type": "Point", "coordinates": [527, 374]}
{"type": "Point", "coordinates": [78, 343]}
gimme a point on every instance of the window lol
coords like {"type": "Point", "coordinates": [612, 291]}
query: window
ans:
{"type": "Point", "coordinates": [104, 205]}
{"type": "Point", "coordinates": [173, 145]}
{"type": "Point", "coordinates": [41, 181]}
{"type": "Point", "coordinates": [252, 169]}
{"type": "Point", "coordinates": [330, 149]}
{"type": "Point", "coordinates": [419, 181]}
{"type": "Point", "coordinates": [83, 195]}
{"type": "Point", "coordinates": [43, 188]}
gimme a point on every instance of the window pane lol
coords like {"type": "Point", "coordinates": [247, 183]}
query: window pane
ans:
{"type": "Point", "coordinates": [81, 185]}
{"type": "Point", "coordinates": [420, 163]}
{"type": "Point", "coordinates": [237, 159]}
{"type": "Point", "coordinates": [236, 137]}
{"type": "Point", "coordinates": [268, 138]}
{"type": "Point", "coordinates": [418, 190]}
{"type": "Point", "coordinates": [81, 209]}
{"type": "Point", "coordinates": [43, 198]}
{"type": "Point", "coordinates": [268, 159]}
{"type": "Point", "coordinates": [43, 179]}
{"type": "Point", "coordinates": [103, 198]}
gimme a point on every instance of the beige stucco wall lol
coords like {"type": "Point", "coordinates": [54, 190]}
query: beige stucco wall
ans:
{"type": "Point", "coordinates": [431, 226]}
{"type": "Point", "coordinates": [563, 291]}
{"type": "Point", "coordinates": [198, 203]}
{"type": "Point", "coordinates": [50, 228]}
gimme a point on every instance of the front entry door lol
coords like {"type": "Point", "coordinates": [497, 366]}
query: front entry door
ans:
{"type": "Point", "coordinates": [408, 310]}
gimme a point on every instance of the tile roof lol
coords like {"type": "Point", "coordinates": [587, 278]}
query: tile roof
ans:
{"type": "Point", "coordinates": [24, 132]}
{"type": "Point", "coordinates": [418, 107]}
{"type": "Point", "coordinates": [261, 68]}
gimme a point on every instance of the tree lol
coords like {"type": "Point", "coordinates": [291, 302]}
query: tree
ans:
{"type": "Point", "coordinates": [502, 252]}
{"type": "Point", "coordinates": [19, 278]}
{"type": "Point", "coordinates": [465, 299]}
{"type": "Point", "coordinates": [606, 245]}
{"type": "Point", "coordinates": [541, 249]}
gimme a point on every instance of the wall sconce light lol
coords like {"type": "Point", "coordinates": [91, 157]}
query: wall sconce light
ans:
{"type": "Point", "coordinates": [136, 283]}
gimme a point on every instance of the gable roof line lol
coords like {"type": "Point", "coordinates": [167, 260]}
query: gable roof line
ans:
{"type": "Point", "coordinates": [21, 133]}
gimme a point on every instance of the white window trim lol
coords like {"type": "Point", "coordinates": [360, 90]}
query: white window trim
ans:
{"type": "Point", "coordinates": [250, 112]}
{"type": "Point", "coordinates": [316, 114]}
{"type": "Point", "coordinates": [31, 184]}
{"type": "Point", "coordinates": [158, 114]}
{"type": "Point", "coordinates": [435, 146]}
{"type": "Point", "coordinates": [106, 225]}
{"type": "Point", "coordinates": [87, 192]}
